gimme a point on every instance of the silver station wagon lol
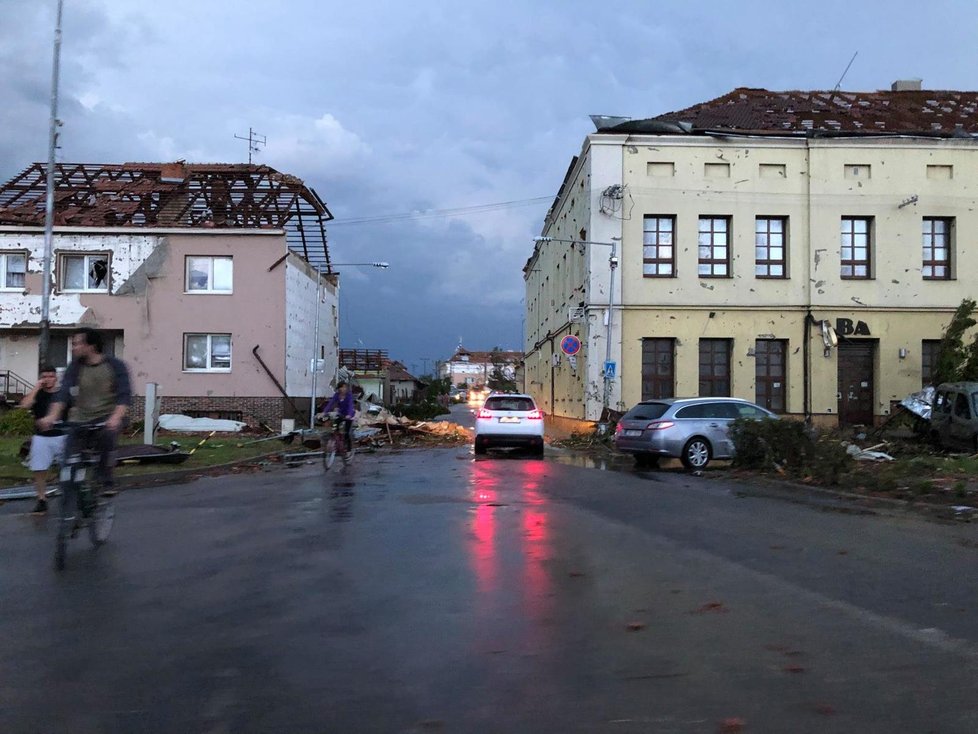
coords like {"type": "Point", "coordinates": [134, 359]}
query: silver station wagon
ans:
{"type": "Point", "coordinates": [694, 430]}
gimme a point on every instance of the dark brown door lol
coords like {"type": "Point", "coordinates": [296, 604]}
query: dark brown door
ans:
{"type": "Point", "coordinates": [856, 383]}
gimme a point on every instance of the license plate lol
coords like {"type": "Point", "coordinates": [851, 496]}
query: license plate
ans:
{"type": "Point", "coordinates": [509, 419]}
{"type": "Point", "coordinates": [632, 433]}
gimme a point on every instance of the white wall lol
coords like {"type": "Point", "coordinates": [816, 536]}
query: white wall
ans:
{"type": "Point", "coordinates": [300, 324]}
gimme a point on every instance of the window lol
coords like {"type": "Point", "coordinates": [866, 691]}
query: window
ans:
{"type": "Point", "coordinates": [770, 356]}
{"type": "Point", "coordinates": [929, 350]}
{"type": "Point", "coordinates": [769, 247]}
{"type": "Point", "coordinates": [13, 270]}
{"type": "Point", "coordinates": [85, 272]}
{"type": "Point", "coordinates": [714, 250]}
{"type": "Point", "coordinates": [658, 368]}
{"type": "Point", "coordinates": [961, 409]}
{"type": "Point", "coordinates": [855, 247]}
{"type": "Point", "coordinates": [714, 368]}
{"type": "Point", "coordinates": [207, 352]}
{"type": "Point", "coordinates": [658, 253]}
{"type": "Point", "coordinates": [209, 274]}
{"type": "Point", "coordinates": [937, 248]}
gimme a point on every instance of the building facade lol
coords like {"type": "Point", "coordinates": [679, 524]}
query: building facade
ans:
{"type": "Point", "coordinates": [474, 368]}
{"type": "Point", "coordinates": [803, 250]}
{"type": "Point", "coordinates": [213, 303]}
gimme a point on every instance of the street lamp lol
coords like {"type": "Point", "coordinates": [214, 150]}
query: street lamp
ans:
{"type": "Point", "coordinates": [612, 265]}
{"type": "Point", "coordinates": [315, 345]}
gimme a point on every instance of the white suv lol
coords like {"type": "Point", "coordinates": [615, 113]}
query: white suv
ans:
{"type": "Point", "coordinates": [509, 420]}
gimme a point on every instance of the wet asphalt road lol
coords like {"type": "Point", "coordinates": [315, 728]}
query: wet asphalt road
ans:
{"type": "Point", "coordinates": [424, 591]}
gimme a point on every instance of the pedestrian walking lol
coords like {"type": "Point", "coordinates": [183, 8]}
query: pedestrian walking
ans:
{"type": "Point", "coordinates": [47, 444]}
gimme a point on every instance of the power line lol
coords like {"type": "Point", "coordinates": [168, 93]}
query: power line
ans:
{"type": "Point", "coordinates": [434, 213]}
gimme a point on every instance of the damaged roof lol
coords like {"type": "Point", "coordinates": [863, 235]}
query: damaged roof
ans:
{"type": "Point", "coordinates": [486, 357]}
{"type": "Point", "coordinates": [927, 112]}
{"type": "Point", "coordinates": [172, 195]}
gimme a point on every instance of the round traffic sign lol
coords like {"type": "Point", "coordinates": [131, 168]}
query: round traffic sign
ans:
{"type": "Point", "coordinates": [570, 345]}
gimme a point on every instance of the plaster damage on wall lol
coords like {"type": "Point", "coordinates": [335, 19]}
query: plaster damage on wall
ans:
{"type": "Point", "coordinates": [23, 308]}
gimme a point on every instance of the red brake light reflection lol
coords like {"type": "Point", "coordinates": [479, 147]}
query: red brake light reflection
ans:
{"type": "Point", "coordinates": [659, 425]}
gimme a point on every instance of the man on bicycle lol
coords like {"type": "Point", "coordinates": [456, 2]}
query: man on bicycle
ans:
{"type": "Point", "coordinates": [342, 403]}
{"type": "Point", "coordinates": [96, 389]}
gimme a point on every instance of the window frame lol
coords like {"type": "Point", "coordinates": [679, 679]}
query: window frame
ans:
{"type": "Point", "coordinates": [773, 398]}
{"type": "Point", "coordinates": [712, 262]}
{"type": "Point", "coordinates": [210, 352]}
{"type": "Point", "coordinates": [930, 246]}
{"type": "Point", "coordinates": [714, 381]}
{"type": "Point", "coordinates": [657, 384]}
{"type": "Point", "coordinates": [64, 257]}
{"type": "Point", "coordinates": [4, 256]}
{"type": "Point", "coordinates": [209, 291]}
{"type": "Point", "coordinates": [930, 350]}
{"type": "Point", "coordinates": [770, 262]}
{"type": "Point", "coordinates": [657, 261]}
{"type": "Point", "coordinates": [852, 262]}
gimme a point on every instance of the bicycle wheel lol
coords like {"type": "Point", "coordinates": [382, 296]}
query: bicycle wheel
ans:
{"type": "Point", "coordinates": [329, 453]}
{"type": "Point", "coordinates": [101, 519]}
{"type": "Point", "coordinates": [66, 523]}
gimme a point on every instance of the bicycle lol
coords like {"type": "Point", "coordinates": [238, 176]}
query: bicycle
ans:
{"type": "Point", "coordinates": [80, 490]}
{"type": "Point", "coordinates": [334, 442]}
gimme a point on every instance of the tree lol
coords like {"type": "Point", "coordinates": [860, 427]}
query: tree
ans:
{"type": "Point", "coordinates": [498, 379]}
{"type": "Point", "coordinates": [955, 361]}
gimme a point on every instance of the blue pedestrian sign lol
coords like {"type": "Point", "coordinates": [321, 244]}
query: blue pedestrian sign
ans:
{"type": "Point", "coordinates": [609, 370]}
{"type": "Point", "coordinates": [570, 345]}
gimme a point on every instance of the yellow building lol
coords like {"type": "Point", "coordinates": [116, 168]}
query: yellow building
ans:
{"type": "Point", "coordinates": [803, 250]}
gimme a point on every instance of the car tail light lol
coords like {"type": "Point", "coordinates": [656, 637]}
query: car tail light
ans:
{"type": "Point", "coordinates": [534, 415]}
{"type": "Point", "coordinates": [659, 425]}
{"type": "Point", "coordinates": [483, 413]}
{"type": "Point", "coordinates": [618, 429]}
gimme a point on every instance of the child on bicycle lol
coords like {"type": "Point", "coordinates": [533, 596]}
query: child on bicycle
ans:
{"type": "Point", "coordinates": [342, 403]}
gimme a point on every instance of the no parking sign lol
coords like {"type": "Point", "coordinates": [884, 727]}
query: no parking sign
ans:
{"type": "Point", "coordinates": [570, 345]}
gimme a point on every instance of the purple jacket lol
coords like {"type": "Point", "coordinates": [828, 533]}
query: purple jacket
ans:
{"type": "Point", "coordinates": [343, 406]}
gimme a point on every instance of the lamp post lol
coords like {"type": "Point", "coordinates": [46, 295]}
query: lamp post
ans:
{"type": "Point", "coordinates": [612, 265]}
{"type": "Point", "coordinates": [315, 345]}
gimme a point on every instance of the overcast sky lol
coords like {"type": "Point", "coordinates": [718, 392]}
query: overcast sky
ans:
{"type": "Point", "coordinates": [393, 107]}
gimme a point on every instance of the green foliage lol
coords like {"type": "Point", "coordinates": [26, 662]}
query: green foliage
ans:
{"type": "Point", "coordinates": [419, 411]}
{"type": "Point", "coordinates": [439, 386]}
{"type": "Point", "coordinates": [497, 379]}
{"type": "Point", "coordinates": [955, 360]}
{"type": "Point", "coordinates": [17, 422]}
{"type": "Point", "coordinates": [790, 447]}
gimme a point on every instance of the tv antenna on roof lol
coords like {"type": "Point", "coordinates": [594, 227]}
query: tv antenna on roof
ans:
{"type": "Point", "coordinates": [839, 83]}
{"type": "Point", "coordinates": [254, 140]}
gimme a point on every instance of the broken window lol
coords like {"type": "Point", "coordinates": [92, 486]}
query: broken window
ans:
{"type": "Point", "coordinates": [13, 270]}
{"type": "Point", "coordinates": [769, 247]}
{"type": "Point", "coordinates": [85, 272]}
{"type": "Point", "coordinates": [937, 248]}
{"type": "Point", "coordinates": [856, 241]}
{"type": "Point", "coordinates": [714, 247]}
{"type": "Point", "coordinates": [207, 352]}
{"type": "Point", "coordinates": [658, 255]}
{"type": "Point", "coordinates": [209, 274]}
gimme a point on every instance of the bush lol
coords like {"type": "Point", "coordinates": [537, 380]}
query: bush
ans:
{"type": "Point", "coordinates": [419, 411]}
{"type": "Point", "coordinates": [789, 446]}
{"type": "Point", "coordinates": [17, 422]}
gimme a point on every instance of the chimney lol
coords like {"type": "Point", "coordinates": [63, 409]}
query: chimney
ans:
{"type": "Point", "coordinates": [906, 85]}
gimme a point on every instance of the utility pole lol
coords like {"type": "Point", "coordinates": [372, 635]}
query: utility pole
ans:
{"type": "Point", "coordinates": [254, 140]}
{"type": "Point", "coordinates": [45, 336]}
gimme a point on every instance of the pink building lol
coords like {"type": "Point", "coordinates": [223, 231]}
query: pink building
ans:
{"type": "Point", "coordinates": [211, 280]}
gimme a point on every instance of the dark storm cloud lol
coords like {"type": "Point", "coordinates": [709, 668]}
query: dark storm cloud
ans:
{"type": "Point", "coordinates": [388, 107]}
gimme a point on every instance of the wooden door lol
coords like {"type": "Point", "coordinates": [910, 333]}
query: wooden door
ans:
{"type": "Point", "coordinates": [856, 382]}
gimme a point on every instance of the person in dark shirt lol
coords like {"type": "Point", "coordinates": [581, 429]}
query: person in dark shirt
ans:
{"type": "Point", "coordinates": [47, 446]}
{"type": "Point", "coordinates": [342, 403]}
{"type": "Point", "coordinates": [97, 389]}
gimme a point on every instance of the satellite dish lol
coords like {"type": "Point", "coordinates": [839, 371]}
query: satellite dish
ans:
{"type": "Point", "coordinates": [829, 337]}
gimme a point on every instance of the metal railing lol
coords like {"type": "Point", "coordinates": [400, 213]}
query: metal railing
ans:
{"type": "Point", "coordinates": [12, 384]}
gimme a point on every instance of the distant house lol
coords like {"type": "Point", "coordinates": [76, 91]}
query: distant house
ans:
{"type": "Point", "coordinates": [366, 369]}
{"type": "Point", "coordinates": [211, 280]}
{"type": "Point", "coordinates": [473, 369]}
{"type": "Point", "coordinates": [402, 386]}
